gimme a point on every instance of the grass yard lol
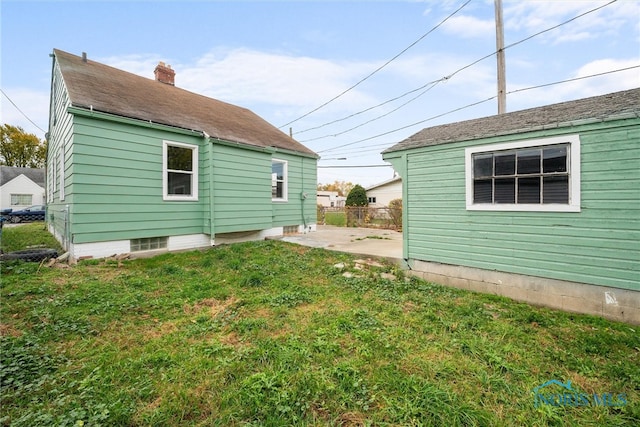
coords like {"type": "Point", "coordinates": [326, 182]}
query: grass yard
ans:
{"type": "Point", "coordinates": [271, 334]}
{"type": "Point", "coordinates": [15, 238]}
{"type": "Point", "coordinates": [338, 219]}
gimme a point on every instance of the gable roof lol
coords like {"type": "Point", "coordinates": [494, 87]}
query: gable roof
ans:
{"type": "Point", "coordinates": [8, 173]}
{"type": "Point", "coordinates": [102, 88]}
{"type": "Point", "coordinates": [617, 105]}
{"type": "Point", "coordinates": [383, 183]}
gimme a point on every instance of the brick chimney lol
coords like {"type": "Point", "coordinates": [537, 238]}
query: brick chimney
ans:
{"type": "Point", "coordinates": [164, 74]}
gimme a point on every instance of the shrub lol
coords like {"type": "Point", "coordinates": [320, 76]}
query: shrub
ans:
{"type": "Point", "coordinates": [357, 197]}
{"type": "Point", "coordinates": [395, 212]}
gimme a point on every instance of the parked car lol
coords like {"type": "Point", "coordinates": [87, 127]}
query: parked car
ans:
{"type": "Point", "coordinates": [4, 214]}
{"type": "Point", "coordinates": [32, 213]}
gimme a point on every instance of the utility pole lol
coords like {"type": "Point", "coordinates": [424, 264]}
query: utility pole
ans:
{"type": "Point", "coordinates": [502, 84]}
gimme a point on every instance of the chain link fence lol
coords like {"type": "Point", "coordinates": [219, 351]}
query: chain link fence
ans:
{"type": "Point", "coordinates": [385, 217]}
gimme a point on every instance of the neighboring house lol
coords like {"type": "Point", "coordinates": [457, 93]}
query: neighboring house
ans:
{"type": "Point", "coordinates": [381, 194]}
{"type": "Point", "coordinates": [136, 164]}
{"type": "Point", "coordinates": [540, 205]}
{"type": "Point", "coordinates": [21, 187]}
{"type": "Point", "coordinates": [330, 199]}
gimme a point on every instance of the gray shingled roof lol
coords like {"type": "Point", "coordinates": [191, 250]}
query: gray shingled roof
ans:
{"type": "Point", "coordinates": [96, 86]}
{"type": "Point", "coordinates": [616, 105]}
{"type": "Point", "coordinates": [8, 173]}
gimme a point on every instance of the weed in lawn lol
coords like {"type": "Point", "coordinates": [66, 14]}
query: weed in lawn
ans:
{"type": "Point", "coordinates": [269, 333]}
{"type": "Point", "coordinates": [373, 237]}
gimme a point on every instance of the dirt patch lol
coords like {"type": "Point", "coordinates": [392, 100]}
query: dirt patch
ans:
{"type": "Point", "coordinates": [159, 330]}
{"type": "Point", "coordinates": [232, 340]}
{"type": "Point", "coordinates": [351, 419]}
{"type": "Point", "coordinates": [9, 331]}
{"type": "Point", "coordinates": [213, 305]}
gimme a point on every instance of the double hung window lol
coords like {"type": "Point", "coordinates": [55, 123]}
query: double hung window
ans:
{"type": "Point", "coordinates": [180, 171]}
{"type": "Point", "coordinates": [278, 180]}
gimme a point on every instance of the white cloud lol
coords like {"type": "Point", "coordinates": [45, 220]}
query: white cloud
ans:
{"type": "Point", "coordinates": [142, 65]}
{"type": "Point", "coordinates": [466, 26]}
{"type": "Point", "coordinates": [244, 76]}
{"type": "Point", "coordinates": [533, 16]}
{"type": "Point", "coordinates": [584, 88]}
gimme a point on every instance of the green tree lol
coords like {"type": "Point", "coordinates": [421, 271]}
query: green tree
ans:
{"type": "Point", "coordinates": [357, 196]}
{"type": "Point", "coordinates": [21, 149]}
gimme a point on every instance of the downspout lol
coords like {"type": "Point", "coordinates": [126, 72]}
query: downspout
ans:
{"type": "Point", "coordinates": [303, 195]}
{"type": "Point", "coordinates": [209, 144]}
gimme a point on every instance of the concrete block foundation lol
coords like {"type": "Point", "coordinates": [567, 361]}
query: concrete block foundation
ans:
{"type": "Point", "coordinates": [611, 303]}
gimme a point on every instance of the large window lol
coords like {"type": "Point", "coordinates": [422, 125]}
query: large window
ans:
{"type": "Point", "coordinates": [278, 180]}
{"type": "Point", "coordinates": [539, 175]}
{"type": "Point", "coordinates": [180, 171]}
{"type": "Point", "coordinates": [21, 199]}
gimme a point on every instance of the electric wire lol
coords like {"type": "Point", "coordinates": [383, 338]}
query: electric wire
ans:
{"type": "Point", "coordinates": [376, 118]}
{"type": "Point", "coordinates": [379, 68]}
{"type": "Point", "coordinates": [478, 103]}
{"type": "Point", "coordinates": [22, 112]}
{"type": "Point", "coordinates": [446, 78]}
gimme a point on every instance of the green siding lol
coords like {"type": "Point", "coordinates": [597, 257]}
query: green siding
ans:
{"type": "Point", "coordinates": [60, 139]}
{"type": "Point", "coordinates": [302, 177]}
{"type": "Point", "coordinates": [242, 189]}
{"type": "Point", "coordinates": [116, 185]}
{"type": "Point", "coordinates": [599, 245]}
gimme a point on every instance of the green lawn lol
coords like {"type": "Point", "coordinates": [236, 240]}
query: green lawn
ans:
{"type": "Point", "coordinates": [270, 333]}
{"type": "Point", "coordinates": [18, 237]}
{"type": "Point", "coordinates": [335, 218]}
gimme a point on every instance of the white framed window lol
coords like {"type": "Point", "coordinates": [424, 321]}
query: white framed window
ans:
{"type": "Point", "coordinates": [371, 199]}
{"type": "Point", "coordinates": [21, 199]}
{"type": "Point", "coordinates": [533, 175]}
{"type": "Point", "coordinates": [179, 171]}
{"type": "Point", "coordinates": [279, 180]}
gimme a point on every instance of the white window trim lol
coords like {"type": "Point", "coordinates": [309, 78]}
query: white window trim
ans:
{"type": "Point", "coordinates": [61, 173]}
{"type": "Point", "coordinates": [54, 178]}
{"type": "Point", "coordinates": [285, 183]}
{"type": "Point", "coordinates": [574, 176]}
{"type": "Point", "coordinates": [194, 175]}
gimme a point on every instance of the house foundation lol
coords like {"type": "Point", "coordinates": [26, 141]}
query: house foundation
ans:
{"type": "Point", "coordinates": [611, 303]}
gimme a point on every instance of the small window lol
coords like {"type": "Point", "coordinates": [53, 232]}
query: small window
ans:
{"type": "Point", "coordinates": [180, 171]}
{"type": "Point", "coordinates": [21, 199]}
{"type": "Point", "coordinates": [148, 244]}
{"type": "Point", "coordinates": [539, 175]}
{"type": "Point", "coordinates": [371, 199]}
{"type": "Point", "coordinates": [278, 180]}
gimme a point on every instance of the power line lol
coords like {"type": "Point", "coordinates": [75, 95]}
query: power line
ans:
{"type": "Point", "coordinates": [481, 102]}
{"type": "Point", "coordinates": [354, 166]}
{"type": "Point", "coordinates": [21, 112]}
{"type": "Point", "coordinates": [441, 79]}
{"type": "Point", "coordinates": [379, 68]}
{"type": "Point", "coordinates": [368, 109]}
{"type": "Point", "coordinates": [376, 118]}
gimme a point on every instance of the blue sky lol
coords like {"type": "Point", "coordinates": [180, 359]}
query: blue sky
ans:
{"type": "Point", "coordinates": [284, 59]}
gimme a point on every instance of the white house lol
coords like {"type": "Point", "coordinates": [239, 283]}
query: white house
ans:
{"type": "Point", "coordinates": [381, 194]}
{"type": "Point", "coordinates": [330, 199]}
{"type": "Point", "coordinates": [21, 187]}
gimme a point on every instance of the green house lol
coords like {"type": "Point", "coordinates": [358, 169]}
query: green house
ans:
{"type": "Point", "coordinates": [539, 205]}
{"type": "Point", "coordinates": [136, 164]}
